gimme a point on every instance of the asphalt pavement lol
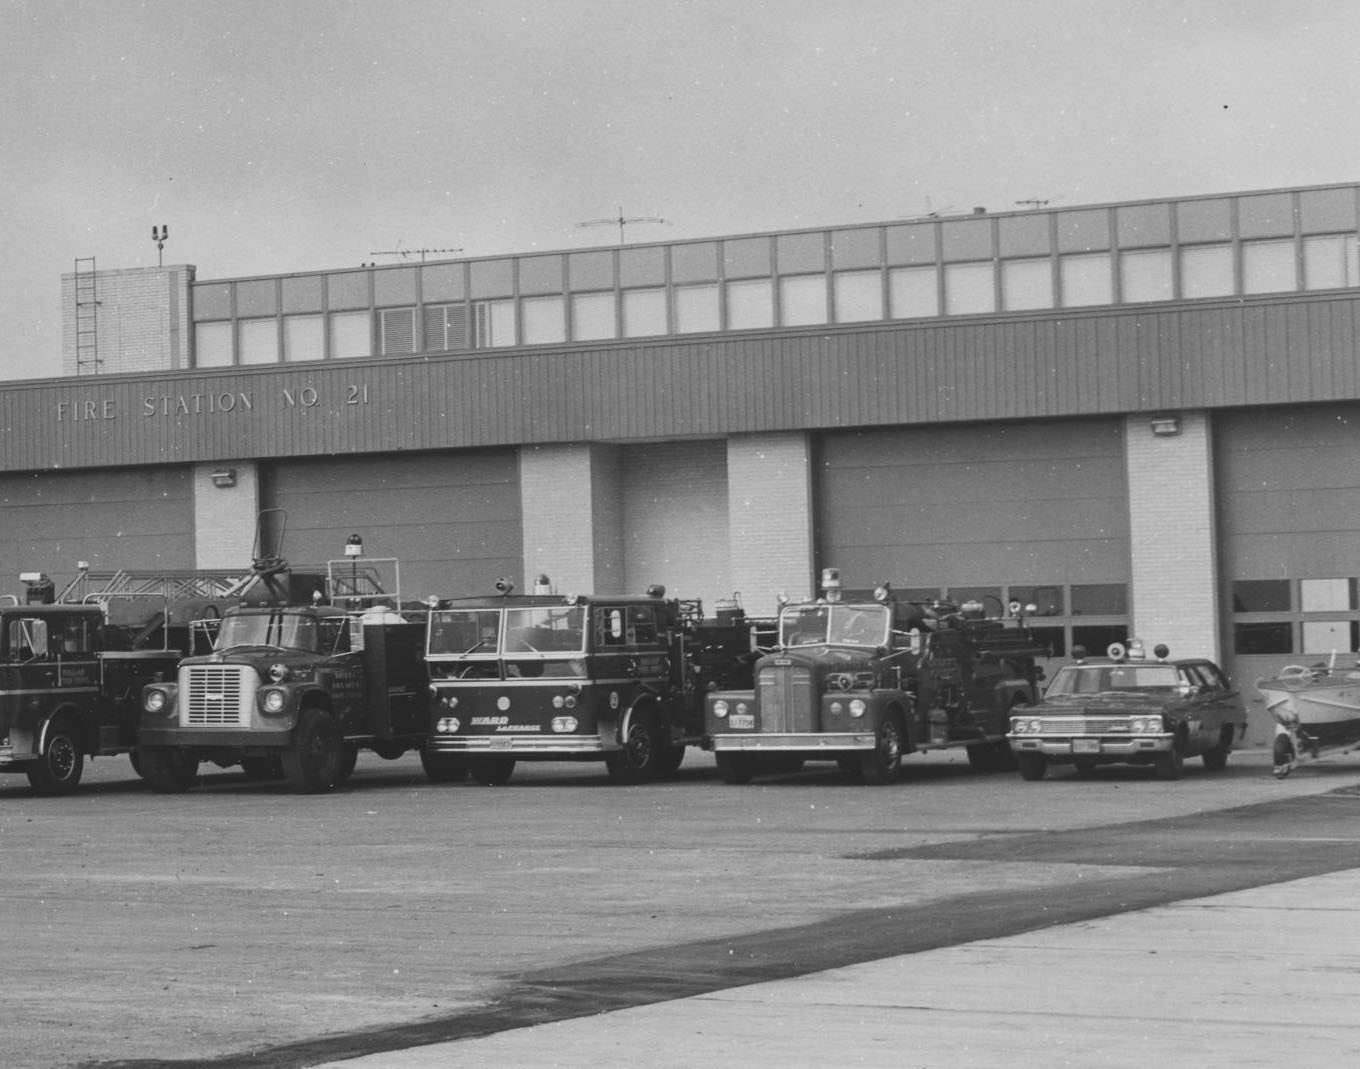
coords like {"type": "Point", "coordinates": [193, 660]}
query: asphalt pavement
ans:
{"type": "Point", "coordinates": [1175, 985]}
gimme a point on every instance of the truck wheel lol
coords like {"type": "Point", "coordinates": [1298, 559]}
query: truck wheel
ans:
{"type": "Point", "coordinates": [1033, 766]}
{"type": "Point", "coordinates": [1283, 754]}
{"type": "Point", "coordinates": [60, 764]}
{"type": "Point", "coordinates": [168, 770]}
{"type": "Point", "coordinates": [669, 760]}
{"type": "Point", "coordinates": [349, 757]}
{"type": "Point", "coordinates": [880, 765]}
{"type": "Point", "coordinates": [638, 760]}
{"type": "Point", "coordinates": [312, 764]}
{"type": "Point", "coordinates": [1169, 765]}
{"type": "Point", "coordinates": [443, 767]}
{"type": "Point", "coordinates": [735, 767]}
{"type": "Point", "coordinates": [491, 771]}
{"type": "Point", "coordinates": [1216, 760]}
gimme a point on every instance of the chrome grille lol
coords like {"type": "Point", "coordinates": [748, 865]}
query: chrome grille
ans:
{"type": "Point", "coordinates": [785, 697]}
{"type": "Point", "coordinates": [1084, 725]}
{"type": "Point", "coordinates": [217, 694]}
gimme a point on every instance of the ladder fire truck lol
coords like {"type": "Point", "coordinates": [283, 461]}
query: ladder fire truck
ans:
{"type": "Point", "coordinates": [863, 681]}
{"type": "Point", "coordinates": [302, 676]}
{"type": "Point", "coordinates": [73, 662]}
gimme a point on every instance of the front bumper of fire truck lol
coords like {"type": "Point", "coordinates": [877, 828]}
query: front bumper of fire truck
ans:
{"type": "Point", "coordinates": [790, 741]}
{"type": "Point", "coordinates": [514, 745]}
{"type": "Point", "coordinates": [1120, 739]}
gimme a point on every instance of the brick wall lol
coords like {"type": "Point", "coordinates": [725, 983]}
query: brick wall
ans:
{"type": "Point", "coordinates": [568, 493]}
{"type": "Point", "coordinates": [1173, 543]}
{"type": "Point", "coordinates": [769, 495]}
{"type": "Point", "coordinates": [141, 320]}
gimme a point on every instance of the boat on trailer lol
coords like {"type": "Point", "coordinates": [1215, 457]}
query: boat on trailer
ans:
{"type": "Point", "coordinates": [1316, 710]}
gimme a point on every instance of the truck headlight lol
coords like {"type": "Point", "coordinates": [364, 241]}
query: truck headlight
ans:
{"type": "Point", "coordinates": [155, 701]}
{"type": "Point", "coordinates": [857, 707]}
{"type": "Point", "coordinates": [273, 700]}
{"type": "Point", "coordinates": [448, 725]}
{"type": "Point", "coordinates": [720, 709]}
{"type": "Point", "coordinates": [564, 725]}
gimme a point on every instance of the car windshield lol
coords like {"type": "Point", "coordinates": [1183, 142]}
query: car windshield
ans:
{"type": "Point", "coordinates": [1114, 678]}
{"type": "Point", "coordinates": [489, 633]}
{"type": "Point", "coordinates": [287, 630]}
{"type": "Point", "coordinates": [845, 625]}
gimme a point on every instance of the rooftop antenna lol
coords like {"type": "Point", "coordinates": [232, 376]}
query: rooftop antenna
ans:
{"type": "Point", "coordinates": [621, 221]}
{"type": "Point", "coordinates": [406, 254]}
{"type": "Point", "coordinates": [1036, 202]}
{"type": "Point", "coordinates": [160, 235]}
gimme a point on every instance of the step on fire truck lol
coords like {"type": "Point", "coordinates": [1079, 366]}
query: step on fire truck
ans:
{"type": "Point", "coordinates": [544, 677]}
{"type": "Point", "coordinates": [862, 681]}
{"type": "Point", "coordinates": [301, 677]}
{"type": "Point", "coordinates": [73, 662]}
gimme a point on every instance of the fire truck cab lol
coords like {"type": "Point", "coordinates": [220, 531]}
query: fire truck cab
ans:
{"type": "Point", "coordinates": [543, 677]}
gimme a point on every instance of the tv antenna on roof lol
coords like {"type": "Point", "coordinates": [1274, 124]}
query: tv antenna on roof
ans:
{"type": "Point", "coordinates": [1036, 202]}
{"type": "Point", "coordinates": [621, 221]}
{"type": "Point", "coordinates": [406, 254]}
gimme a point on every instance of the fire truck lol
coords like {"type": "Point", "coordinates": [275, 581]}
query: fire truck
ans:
{"type": "Point", "coordinates": [543, 677]}
{"type": "Point", "coordinates": [864, 680]}
{"type": "Point", "coordinates": [73, 663]}
{"type": "Point", "coordinates": [304, 672]}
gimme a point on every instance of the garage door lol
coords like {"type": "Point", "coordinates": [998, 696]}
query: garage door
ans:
{"type": "Point", "coordinates": [1034, 511]}
{"type": "Point", "coordinates": [452, 519]}
{"type": "Point", "coordinates": [113, 518]}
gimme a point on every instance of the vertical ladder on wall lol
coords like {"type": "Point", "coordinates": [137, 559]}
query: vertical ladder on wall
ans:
{"type": "Point", "coordinates": [87, 318]}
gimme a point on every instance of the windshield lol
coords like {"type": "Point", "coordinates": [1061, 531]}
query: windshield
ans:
{"type": "Point", "coordinates": [288, 630]}
{"type": "Point", "coordinates": [1115, 679]}
{"type": "Point", "coordinates": [511, 631]}
{"type": "Point", "coordinates": [845, 625]}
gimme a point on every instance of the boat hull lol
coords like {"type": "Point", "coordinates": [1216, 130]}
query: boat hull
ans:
{"type": "Point", "coordinates": [1325, 709]}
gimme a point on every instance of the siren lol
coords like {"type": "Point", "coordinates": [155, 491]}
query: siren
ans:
{"type": "Point", "coordinates": [831, 583]}
{"type": "Point", "coordinates": [542, 585]}
{"type": "Point", "coordinates": [505, 585]}
{"type": "Point", "coordinates": [1115, 651]}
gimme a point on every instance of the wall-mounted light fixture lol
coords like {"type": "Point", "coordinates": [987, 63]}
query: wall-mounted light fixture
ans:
{"type": "Point", "coordinates": [224, 477]}
{"type": "Point", "coordinates": [1165, 426]}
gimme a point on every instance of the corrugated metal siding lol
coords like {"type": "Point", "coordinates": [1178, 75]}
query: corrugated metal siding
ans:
{"type": "Point", "coordinates": [1260, 351]}
{"type": "Point", "coordinates": [453, 520]}
{"type": "Point", "coordinates": [964, 505]}
{"type": "Point", "coordinates": [113, 519]}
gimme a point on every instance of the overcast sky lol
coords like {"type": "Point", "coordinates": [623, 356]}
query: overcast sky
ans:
{"type": "Point", "coordinates": [292, 135]}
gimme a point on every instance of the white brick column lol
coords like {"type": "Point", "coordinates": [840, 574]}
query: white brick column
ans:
{"type": "Point", "coordinates": [770, 509]}
{"type": "Point", "coordinates": [224, 516]}
{"type": "Point", "coordinates": [1173, 540]}
{"type": "Point", "coordinates": [571, 517]}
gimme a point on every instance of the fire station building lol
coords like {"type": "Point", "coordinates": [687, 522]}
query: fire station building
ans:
{"type": "Point", "coordinates": [1135, 416]}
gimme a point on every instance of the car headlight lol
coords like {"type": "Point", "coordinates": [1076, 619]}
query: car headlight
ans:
{"type": "Point", "coordinates": [720, 709]}
{"type": "Point", "coordinates": [857, 707]}
{"type": "Point", "coordinates": [273, 701]}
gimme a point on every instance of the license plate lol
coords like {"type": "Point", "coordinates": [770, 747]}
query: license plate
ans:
{"type": "Point", "coordinates": [1086, 746]}
{"type": "Point", "coordinates": [742, 720]}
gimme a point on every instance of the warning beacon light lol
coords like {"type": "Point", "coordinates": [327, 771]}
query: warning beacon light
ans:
{"type": "Point", "coordinates": [831, 584]}
{"type": "Point", "coordinates": [354, 546]}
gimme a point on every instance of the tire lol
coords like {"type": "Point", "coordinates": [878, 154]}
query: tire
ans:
{"type": "Point", "coordinates": [168, 770]}
{"type": "Point", "coordinates": [669, 760]}
{"type": "Point", "coordinates": [1171, 764]}
{"type": "Point", "coordinates": [491, 771]}
{"type": "Point", "coordinates": [443, 767]}
{"type": "Point", "coordinates": [312, 764]}
{"type": "Point", "coordinates": [349, 757]}
{"type": "Point", "coordinates": [1033, 766]}
{"type": "Point", "coordinates": [1216, 760]}
{"type": "Point", "coordinates": [262, 769]}
{"type": "Point", "coordinates": [736, 768]}
{"type": "Point", "coordinates": [59, 766]}
{"type": "Point", "coordinates": [880, 766]}
{"type": "Point", "coordinates": [1284, 756]}
{"type": "Point", "coordinates": [639, 759]}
